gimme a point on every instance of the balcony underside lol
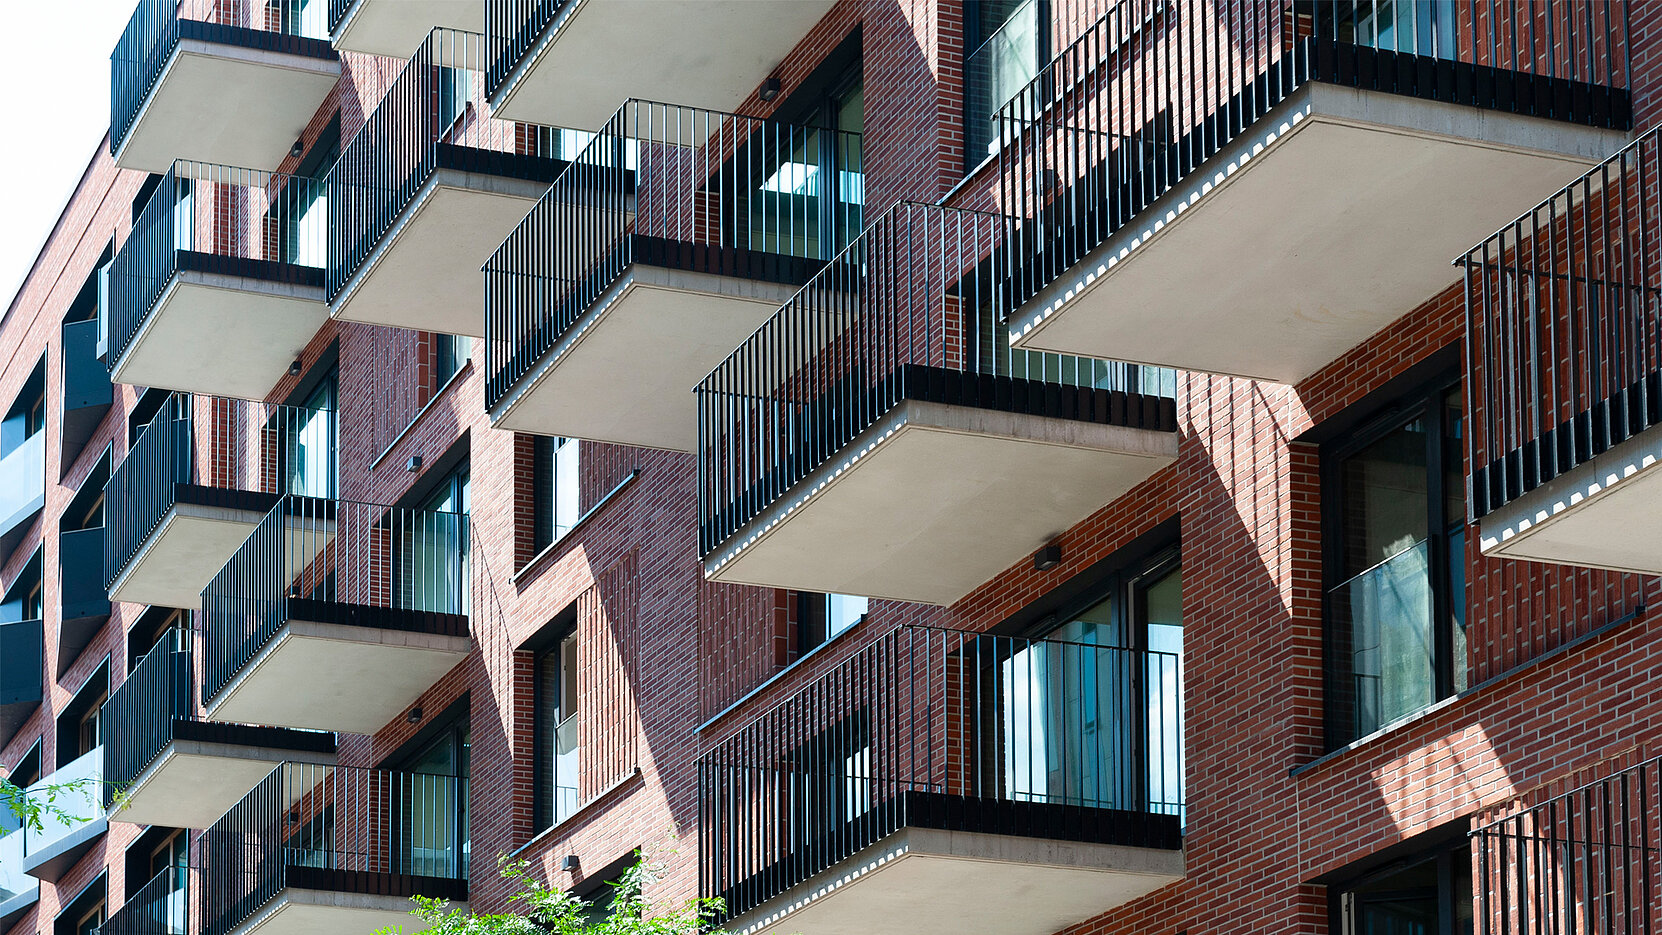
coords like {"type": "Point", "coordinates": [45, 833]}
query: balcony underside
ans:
{"type": "Point", "coordinates": [351, 669]}
{"type": "Point", "coordinates": [195, 538]}
{"type": "Point", "coordinates": [946, 882]}
{"type": "Point", "coordinates": [900, 514]}
{"type": "Point", "coordinates": [1603, 513]}
{"type": "Point", "coordinates": [1329, 219]}
{"type": "Point", "coordinates": [711, 54]}
{"type": "Point", "coordinates": [227, 104]}
{"type": "Point", "coordinates": [357, 902]}
{"type": "Point", "coordinates": [424, 274]}
{"type": "Point", "coordinates": [224, 334]}
{"type": "Point", "coordinates": [396, 28]}
{"type": "Point", "coordinates": [624, 372]}
{"type": "Point", "coordinates": [13, 906]}
{"type": "Point", "coordinates": [209, 767]}
{"type": "Point", "coordinates": [51, 862]}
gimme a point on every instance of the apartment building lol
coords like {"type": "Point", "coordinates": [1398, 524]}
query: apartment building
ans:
{"type": "Point", "coordinates": [917, 466]}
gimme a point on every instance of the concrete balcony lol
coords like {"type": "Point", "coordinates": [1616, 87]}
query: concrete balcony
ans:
{"type": "Point", "coordinates": [19, 892]}
{"type": "Point", "coordinates": [393, 27]}
{"type": "Point", "coordinates": [908, 454]}
{"type": "Point", "coordinates": [220, 285]}
{"type": "Point", "coordinates": [336, 615]}
{"type": "Point", "coordinates": [200, 479]}
{"type": "Point", "coordinates": [558, 60]}
{"type": "Point", "coordinates": [1563, 375]}
{"type": "Point", "coordinates": [1154, 242]}
{"type": "Point", "coordinates": [64, 838]}
{"type": "Point", "coordinates": [420, 201]}
{"type": "Point", "coordinates": [842, 809]}
{"type": "Point", "coordinates": [604, 277]}
{"type": "Point", "coordinates": [361, 843]}
{"type": "Point", "coordinates": [187, 81]}
{"type": "Point", "coordinates": [176, 770]}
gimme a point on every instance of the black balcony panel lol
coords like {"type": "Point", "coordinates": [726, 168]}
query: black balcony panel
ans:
{"type": "Point", "coordinates": [85, 600]}
{"type": "Point", "coordinates": [158, 26]}
{"type": "Point", "coordinates": [1154, 89]}
{"type": "Point", "coordinates": [434, 116]}
{"type": "Point", "coordinates": [909, 311]}
{"type": "Point", "coordinates": [675, 187]}
{"type": "Point", "coordinates": [345, 829]}
{"type": "Point", "coordinates": [22, 673]}
{"type": "Point", "coordinates": [335, 562]}
{"type": "Point", "coordinates": [1582, 861]}
{"type": "Point", "coordinates": [945, 729]}
{"type": "Point", "coordinates": [1564, 355]}
{"type": "Point", "coordinates": [87, 393]}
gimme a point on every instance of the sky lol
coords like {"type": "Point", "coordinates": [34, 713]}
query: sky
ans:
{"type": "Point", "coordinates": [59, 59]}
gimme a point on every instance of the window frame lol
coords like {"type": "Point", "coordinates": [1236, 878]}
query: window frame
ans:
{"type": "Point", "coordinates": [552, 644]}
{"type": "Point", "coordinates": [1377, 419]}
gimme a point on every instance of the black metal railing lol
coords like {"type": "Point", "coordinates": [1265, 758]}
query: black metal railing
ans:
{"type": "Point", "coordinates": [158, 26]}
{"type": "Point", "coordinates": [512, 27]}
{"type": "Point", "coordinates": [1585, 861]}
{"type": "Point", "coordinates": [330, 828]}
{"type": "Point", "coordinates": [215, 219]}
{"type": "Point", "coordinates": [1564, 355]}
{"type": "Point", "coordinates": [434, 115]}
{"type": "Point", "coordinates": [668, 186]}
{"type": "Point", "coordinates": [209, 444]}
{"type": "Point", "coordinates": [335, 561]}
{"type": "Point", "coordinates": [924, 726]}
{"type": "Point", "coordinates": [1155, 88]}
{"type": "Point", "coordinates": [909, 310]}
{"type": "Point", "coordinates": [155, 694]}
{"type": "Point", "coordinates": [160, 907]}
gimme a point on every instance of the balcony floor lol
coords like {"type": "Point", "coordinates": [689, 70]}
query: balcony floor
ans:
{"type": "Point", "coordinates": [946, 882]}
{"type": "Point", "coordinates": [304, 911]}
{"type": "Point", "coordinates": [195, 538]}
{"type": "Point", "coordinates": [1604, 513]}
{"type": "Point", "coordinates": [897, 515]}
{"type": "Point", "coordinates": [625, 371]}
{"type": "Point", "coordinates": [204, 106]}
{"type": "Point", "coordinates": [221, 334]}
{"type": "Point", "coordinates": [209, 767]}
{"type": "Point", "coordinates": [396, 28]}
{"type": "Point", "coordinates": [424, 274]}
{"type": "Point", "coordinates": [1332, 217]}
{"type": "Point", "coordinates": [347, 677]}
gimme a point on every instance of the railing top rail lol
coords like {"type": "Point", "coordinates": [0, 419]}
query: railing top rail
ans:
{"type": "Point", "coordinates": [1497, 825]}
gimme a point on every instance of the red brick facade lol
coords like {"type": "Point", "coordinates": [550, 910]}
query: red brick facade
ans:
{"type": "Point", "coordinates": [674, 664]}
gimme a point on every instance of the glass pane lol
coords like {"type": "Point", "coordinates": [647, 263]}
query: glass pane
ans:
{"type": "Point", "coordinates": [843, 611]}
{"type": "Point", "coordinates": [311, 454]}
{"type": "Point", "coordinates": [1163, 603]}
{"type": "Point", "coordinates": [1418, 27]}
{"type": "Point", "coordinates": [308, 242]}
{"type": "Point", "coordinates": [1386, 612]}
{"type": "Point", "coordinates": [1003, 59]}
{"type": "Point", "coordinates": [566, 486]}
{"type": "Point", "coordinates": [1383, 499]}
{"type": "Point", "coordinates": [1454, 496]}
{"type": "Point", "coordinates": [785, 207]}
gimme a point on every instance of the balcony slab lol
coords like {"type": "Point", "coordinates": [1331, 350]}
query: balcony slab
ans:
{"type": "Point", "coordinates": [897, 516]}
{"type": "Point", "coordinates": [1330, 218]}
{"type": "Point", "coordinates": [187, 549]}
{"type": "Point", "coordinates": [624, 372]}
{"type": "Point", "coordinates": [204, 106]}
{"type": "Point", "coordinates": [222, 335]}
{"type": "Point", "coordinates": [198, 777]}
{"type": "Point", "coordinates": [1604, 513]}
{"type": "Point", "coordinates": [299, 911]}
{"type": "Point", "coordinates": [395, 28]}
{"type": "Point", "coordinates": [333, 676]}
{"type": "Point", "coordinates": [947, 882]}
{"type": "Point", "coordinates": [424, 274]}
{"type": "Point", "coordinates": [711, 54]}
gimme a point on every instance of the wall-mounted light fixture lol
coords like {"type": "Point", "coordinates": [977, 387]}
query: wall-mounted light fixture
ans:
{"type": "Point", "coordinates": [414, 464]}
{"type": "Point", "coordinates": [770, 89]}
{"type": "Point", "coordinates": [414, 717]}
{"type": "Point", "coordinates": [1047, 558]}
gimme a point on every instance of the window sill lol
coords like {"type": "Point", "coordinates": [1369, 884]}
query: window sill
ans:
{"type": "Point", "coordinates": [1480, 687]}
{"type": "Point", "coordinates": [559, 827]}
{"type": "Point", "coordinates": [781, 674]}
{"type": "Point", "coordinates": [535, 563]}
{"type": "Point", "coordinates": [438, 395]}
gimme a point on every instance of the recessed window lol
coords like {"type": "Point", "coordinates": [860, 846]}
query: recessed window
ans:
{"type": "Point", "coordinates": [1429, 896]}
{"type": "Point", "coordinates": [310, 434]}
{"type": "Point", "coordinates": [555, 746]}
{"type": "Point", "coordinates": [450, 352]}
{"type": "Point", "coordinates": [821, 618]}
{"type": "Point", "coordinates": [80, 725]}
{"type": "Point", "coordinates": [1393, 526]}
{"type": "Point", "coordinates": [25, 599]}
{"type": "Point", "coordinates": [1006, 45]}
{"type": "Point", "coordinates": [555, 498]}
{"type": "Point", "coordinates": [433, 566]}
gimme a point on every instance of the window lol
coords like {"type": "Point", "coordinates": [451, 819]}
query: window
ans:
{"type": "Point", "coordinates": [450, 352]}
{"type": "Point", "coordinates": [555, 497]}
{"type": "Point", "coordinates": [27, 416]}
{"type": "Point", "coordinates": [304, 205]}
{"type": "Point", "coordinates": [433, 567]}
{"type": "Point", "coordinates": [85, 912]}
{"type": "Point", "coordinates": [809, 202]}
{"type": "Point", "coordinates": [831, 782]}
{"type": "Point", "coordinates": [25, 599]}
{"type": "Point", "coordinates": [1419, 27]}
{"type": "Point", "coordinates": [88, 923]}
{"type": "Point", "coordinates": [555, 747]}
{"type": "Point", "coordinates": [310, 441]}
{"type": "Point", "coordinates": [1394, 535]}
{"type": "Point", "coordinates": [1068, 732]}
{"type": "Point", "coordinates": [1006, 44]}
{"type": "Point", "coordinates": [80, 727]}
{"type": "Point", "coordinates": [821, 618]}
{"type": "Point", "coordinates": [434, 826]}
{"type": "Point", "coordinates": [309, 18]}
{"type": "Point", "coordinates": [171, 859]}
{"type": "Point", "coordinates": [313, 843]}
{"type": "Point", "coordinates": [1430, 896]}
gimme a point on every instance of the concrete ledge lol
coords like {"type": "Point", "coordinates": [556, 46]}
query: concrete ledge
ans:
{"type": "Point", "coordinates": [307, 912]}
{"type": "Point", "coordinates": [182, 555]}
{"type": "Point", "coordinates": [191, 784]}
